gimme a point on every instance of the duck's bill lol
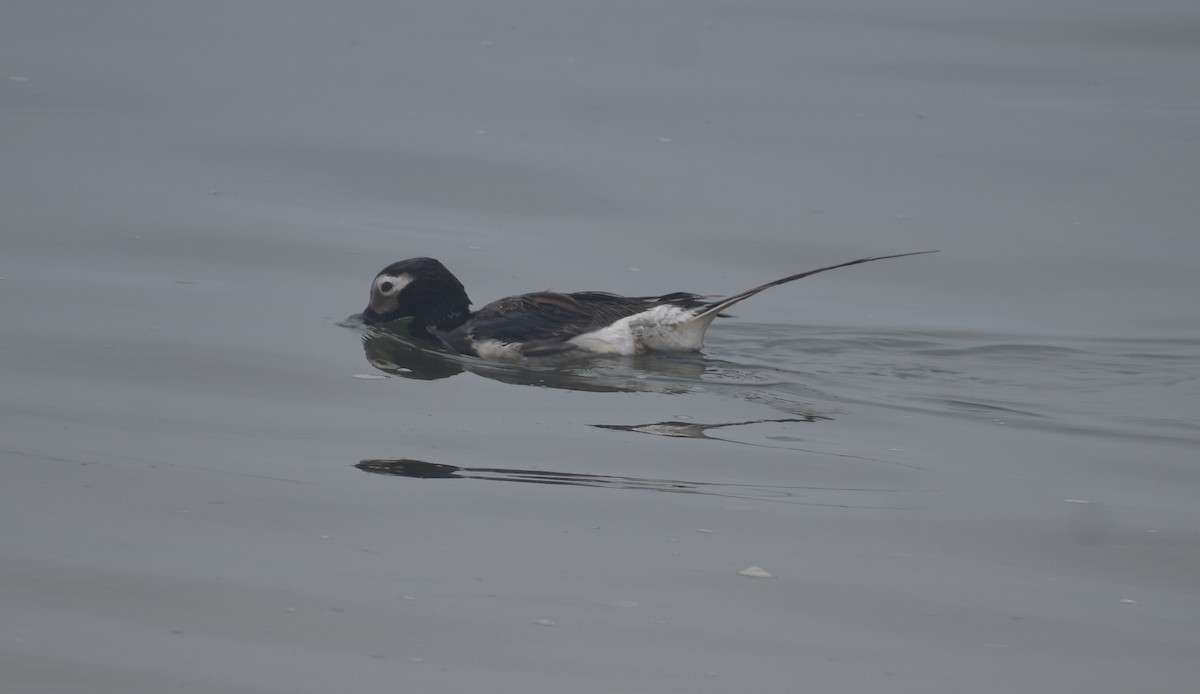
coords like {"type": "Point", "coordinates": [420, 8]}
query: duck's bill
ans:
{"type": "Point", "coordinates": [370, 317]}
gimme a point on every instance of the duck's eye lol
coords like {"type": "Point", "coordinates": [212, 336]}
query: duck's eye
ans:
{"type": "Point", "coordinates": [386, 287]}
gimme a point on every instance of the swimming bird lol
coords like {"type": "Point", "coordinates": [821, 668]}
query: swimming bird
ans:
{"type": "Point", "coordinates": [550, 323]}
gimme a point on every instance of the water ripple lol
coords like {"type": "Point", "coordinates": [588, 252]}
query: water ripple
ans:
{"type": "Point", "coordinates": [1112, 386]}
{"type": "Point", "coordinates": [1078, 384]}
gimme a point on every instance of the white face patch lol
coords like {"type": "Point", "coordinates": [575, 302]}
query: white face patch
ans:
{"type": "Point", "coordinates": [390, 285]}
{"type": "Point", "coordinates": [384, 291]}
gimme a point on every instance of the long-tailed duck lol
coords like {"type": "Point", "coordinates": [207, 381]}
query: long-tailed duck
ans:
{"type": "Point", "coordinates": [550, 323]}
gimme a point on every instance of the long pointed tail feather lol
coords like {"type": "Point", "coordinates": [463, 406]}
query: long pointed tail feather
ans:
{"type": "Point", "coordinates": [725, 303]}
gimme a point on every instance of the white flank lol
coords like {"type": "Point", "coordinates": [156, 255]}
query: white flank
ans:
{"type": "Point", "coordinates": [660, 329]}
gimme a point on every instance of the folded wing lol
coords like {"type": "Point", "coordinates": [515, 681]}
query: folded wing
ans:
{"type": "Point", "coordinates": [542, 323]}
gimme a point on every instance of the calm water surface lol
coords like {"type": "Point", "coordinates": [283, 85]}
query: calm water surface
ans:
{"type": "Point", "coordinates": [974, 471]}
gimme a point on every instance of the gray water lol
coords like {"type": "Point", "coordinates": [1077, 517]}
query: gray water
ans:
{"type": "Point", "coordinates": [974, 471]}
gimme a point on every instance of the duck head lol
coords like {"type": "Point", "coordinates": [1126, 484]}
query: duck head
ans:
{"type": "Point", "coordinates": [421, 289]}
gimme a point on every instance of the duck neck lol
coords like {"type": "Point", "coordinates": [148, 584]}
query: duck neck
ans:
{"type": "Point", "coordinates": [447, 314]}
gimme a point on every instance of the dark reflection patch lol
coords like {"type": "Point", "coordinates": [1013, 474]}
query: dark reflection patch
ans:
{"type": "Point", "coordinates": [844, 497]}
{"type": "Point", "coordinates": [405, 467]}
{"type": "Point", "coordinates": [695, 430]}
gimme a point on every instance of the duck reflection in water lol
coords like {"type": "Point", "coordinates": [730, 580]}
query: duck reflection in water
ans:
{"type": "Point", "coordinates": [397, 353]}
{"type": "Point", "coordinates": [844, 497]}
